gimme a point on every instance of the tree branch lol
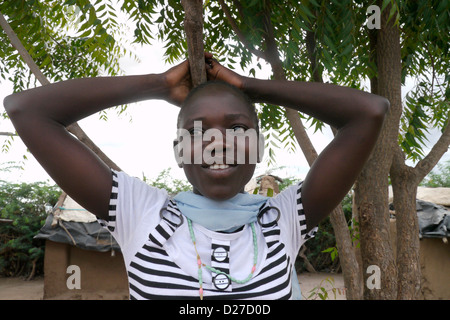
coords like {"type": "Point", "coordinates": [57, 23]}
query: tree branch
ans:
{"type": "Point", "coordinates": [271, 46]}
{"type": "Point", "coordinates": [239, 33]}
{"type": "Point", "coordinates": [312, 55]}
{"type": "Point", "coordinates": [9, 134]}
{"type": "Point", "coordinates": [193, 26]}
{"type": "Point", "coordinates": [75, 129]}
{"type": "Point", "coordinates": [15, 42]}
{"type": "Point", "coordinates": [424, 166]}
{"type": "Point", "coordinates": [292, 115]}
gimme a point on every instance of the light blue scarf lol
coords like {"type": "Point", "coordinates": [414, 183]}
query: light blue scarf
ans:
{"type": "Point", "coordinates": [228, 215]}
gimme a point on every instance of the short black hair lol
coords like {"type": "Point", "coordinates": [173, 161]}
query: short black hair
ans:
{"type": "Point", "coordinates": [226, 86]}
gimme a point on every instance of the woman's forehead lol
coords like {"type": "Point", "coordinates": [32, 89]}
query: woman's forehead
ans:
{"type": "Point", "coordinates": [226, 105]}
{"type": "Point", "coordinates": [225, 117]}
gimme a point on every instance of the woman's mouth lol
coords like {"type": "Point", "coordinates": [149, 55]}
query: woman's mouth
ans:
{"type": "Point", "coordinates": [219, 170]}
{"type": "Point", "coordinates": [222, 165]}
{"type": "Point", "coordinates": [218, 166]}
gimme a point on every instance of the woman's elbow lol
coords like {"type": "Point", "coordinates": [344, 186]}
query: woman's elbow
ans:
{"type": "Point", "coordinates": [383, 106]}
{"type": "Point", "coordinates": [11, 106]}
{"type": "Point", "coordinates": [15, 106]}
{"type": "Point", "coordinates": [379, 108]}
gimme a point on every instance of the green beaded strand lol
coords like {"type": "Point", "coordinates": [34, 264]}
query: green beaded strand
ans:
{"type": "Point", "coordinates": [200, 275]}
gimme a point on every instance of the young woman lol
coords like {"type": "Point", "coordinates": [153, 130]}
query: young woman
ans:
{"type": "Point", "coordinates": [215, 242]}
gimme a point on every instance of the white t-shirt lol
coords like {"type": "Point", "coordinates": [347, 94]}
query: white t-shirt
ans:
{"type": "Point", "coordinates": [161, 259]}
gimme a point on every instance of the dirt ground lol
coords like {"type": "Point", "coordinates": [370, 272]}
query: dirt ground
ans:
{"type": "Point", "coordinates": [19, 289]}
{"type": "Point", "coordinates": [311, 283]}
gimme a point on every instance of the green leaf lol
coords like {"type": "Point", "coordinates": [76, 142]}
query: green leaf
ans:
{"type": "Point", "coordinates": [329, 43]}
{"type": "Point", "coordinates": [347, 50]}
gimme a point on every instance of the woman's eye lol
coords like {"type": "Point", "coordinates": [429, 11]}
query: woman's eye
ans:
{"type": "Point", "coordinates": [239, 129]}
{"type": "Point", "coordinates": [196, 132]}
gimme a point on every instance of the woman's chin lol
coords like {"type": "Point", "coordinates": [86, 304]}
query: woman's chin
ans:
{"type": "Point", "coordinates": [218, 194]}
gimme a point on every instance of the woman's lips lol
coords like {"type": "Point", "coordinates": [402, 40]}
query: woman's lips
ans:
{"type": "Point", "coordinates": [219, 170]}
{"type": "Point", "coordinates": [218, 166]}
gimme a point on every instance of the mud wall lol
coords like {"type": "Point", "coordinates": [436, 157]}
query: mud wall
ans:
{"type": "Point", "coordinates": [101, 274]}
{"type": "Point", "coordinates": [434, 265]}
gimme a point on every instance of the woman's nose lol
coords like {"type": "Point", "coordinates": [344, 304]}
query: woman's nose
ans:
{"type": "Point", "coordinates": [217, 149]}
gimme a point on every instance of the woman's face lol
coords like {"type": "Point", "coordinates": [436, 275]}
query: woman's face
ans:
{"type": "Point", "coordinates": [216, 169]}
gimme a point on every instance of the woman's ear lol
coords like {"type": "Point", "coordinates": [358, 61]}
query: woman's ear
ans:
{"type": "Point", "coordinates": [176, 152]}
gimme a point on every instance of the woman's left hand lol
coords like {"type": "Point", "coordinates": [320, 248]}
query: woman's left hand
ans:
{"type": "Point", "coordinates": [215, 71]}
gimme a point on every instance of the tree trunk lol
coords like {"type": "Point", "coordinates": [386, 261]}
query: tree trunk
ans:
{"type": "Point", "coordinates": [353, 279]}
{"type": "Point", "coordinates": [405, 181]}
{"type": "Point", "coordinates": [371, 191]}
{"type": "Point", "coordinates": [193, 26]}
{"type": "Point", "coordinates": [371, 200]}
{"type": "Point", "coordinates": [404, 186]}
{"type": "Point", "coordinates": [33, 269]}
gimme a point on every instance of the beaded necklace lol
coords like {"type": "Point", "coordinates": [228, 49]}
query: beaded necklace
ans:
{"type": "Point", "coordinates": [200, 264]}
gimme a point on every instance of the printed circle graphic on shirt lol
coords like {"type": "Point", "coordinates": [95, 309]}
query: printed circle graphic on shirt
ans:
{"type": "Point", "coordinates": [220, 254]}
{"type": "Point", "coordinates": [221, 281]}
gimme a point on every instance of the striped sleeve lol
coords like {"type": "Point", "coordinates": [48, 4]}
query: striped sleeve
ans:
{"type": "Point", "coordinates": [301, 215]}
{"type": "Point", "coordinates": [133, 210]}
{"type": "Point", "coordinates": [110, 224]}
{"type": "Point", "coordinates": [292, 220]}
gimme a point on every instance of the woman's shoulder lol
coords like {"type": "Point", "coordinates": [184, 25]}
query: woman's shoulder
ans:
{"type": "Point", "coordinates": [136, 187]}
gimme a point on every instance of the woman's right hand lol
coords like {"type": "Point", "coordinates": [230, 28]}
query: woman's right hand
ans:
{"type": "Point", "coordinates": [178, 82]}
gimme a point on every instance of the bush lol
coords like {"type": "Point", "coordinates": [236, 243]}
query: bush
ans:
{"type": "Point", "coordinates": [24, 205]}
{"type": "Point", "coordinates": [439, 177]}
{"type": "Point", "coordinates": [165, 181]}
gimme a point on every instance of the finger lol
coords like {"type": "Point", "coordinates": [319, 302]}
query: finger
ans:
{"type": "Point", "coordinates": [217, 73]}
{"type": "Point", "coordinates": [212, 64]}
{"type": "Point", "coordinates": [213, 60]}
{"type": "Point", "coordinates": [209, 64]}
{"type": "Point", "coordinates": [211, 74]}
{"type": "Point", "coordinates": [210, 59]}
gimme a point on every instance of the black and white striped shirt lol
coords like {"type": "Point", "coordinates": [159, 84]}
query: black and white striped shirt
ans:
{"type": "Point", "coordinates": [161, 260]}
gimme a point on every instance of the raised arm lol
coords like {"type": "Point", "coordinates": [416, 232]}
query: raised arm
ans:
{"type": "Point", "coordinates": [40, 116]}
{"type": "Point", "coordinates": [358, 117]}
